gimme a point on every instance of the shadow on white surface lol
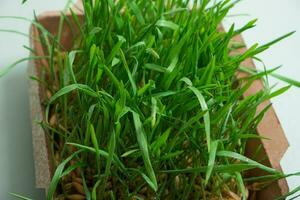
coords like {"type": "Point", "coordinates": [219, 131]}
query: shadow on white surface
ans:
{"type": "Point", "coordinates": [17, 169]}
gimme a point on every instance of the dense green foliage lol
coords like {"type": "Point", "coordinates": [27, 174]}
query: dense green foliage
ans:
{"type": "Point", "coordinates": [147, 104]}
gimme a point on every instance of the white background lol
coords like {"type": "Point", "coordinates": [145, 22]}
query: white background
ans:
{"type": "Point", "coordinates": [276, 17]}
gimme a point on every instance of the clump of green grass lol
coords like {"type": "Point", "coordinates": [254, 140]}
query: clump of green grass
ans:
{"type": "Point", "coordinates": [147, 104]}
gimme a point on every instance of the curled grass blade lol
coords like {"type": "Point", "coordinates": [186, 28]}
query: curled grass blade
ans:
{"type": "Point", "coordinates": [206, 117]}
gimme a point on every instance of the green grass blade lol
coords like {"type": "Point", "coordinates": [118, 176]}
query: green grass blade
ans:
{"type": "Point", "coordinates": [19, 196]}
{"type": "Point", "coordinates": [58, 175]}
{"type": "Point", "coordinates": [211, 160]}
{"type": "Point", "coordinates": [271, 73]}
{"type": "Point", "coordinates": [286, 79]}
{"type": "Point", "coordinates": [204, 107]}
{"type": "Point", "coordinates": [167, 24]}
{"type": "Point", "coordinates": [229, 168]}
{"type": "Point", "coordinates": [294, 191]}
{"type": "Point", "coordinates": [278, 39]}
{"type": "Point", "coordinates": [240, 157]}
{"type": "Point", "coordinates": [5, 70]}
{"type": "Point", "coordinates": [155, 67]}
{"type": "Point", "coordinates": [143, 144]}
{"type": "Point", "coordinates": [130, 77]}
{"type": "Point", "coordinates": [240, 184]}
{"type": "Point", "coordinates": [81, 87]}
{"type": "Point", "coordinates": [101, 153]}
{"type": "Point", "coordinates": [96, 146]}
{"type": "Point", "coordinates": [136, 10]}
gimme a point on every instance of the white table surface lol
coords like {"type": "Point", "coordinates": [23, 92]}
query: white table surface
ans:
{"type": "Point", "coordinates": [16, 161]}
